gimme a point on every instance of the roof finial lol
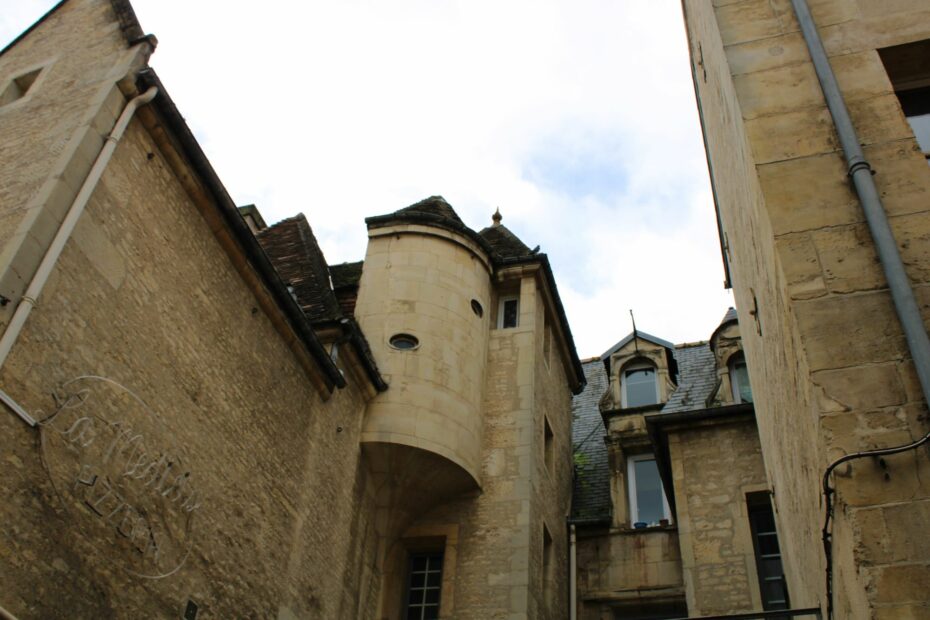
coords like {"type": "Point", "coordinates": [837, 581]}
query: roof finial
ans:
{"type": "Point", "coordinates": [497, 217]}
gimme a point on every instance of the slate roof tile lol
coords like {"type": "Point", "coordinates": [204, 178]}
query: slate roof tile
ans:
{"type": "Point", "coordinates": [504, 243]}
{"type": "Point", "coordinates": [591, 495]}
{"type": "Point", "coordinates": [297, 257]}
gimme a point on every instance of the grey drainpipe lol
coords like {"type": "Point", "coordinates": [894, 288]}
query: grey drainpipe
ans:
{"type": "Point", "coordinates": [898, 284]}
{"type": "Point", "coordinates": [861, 173]}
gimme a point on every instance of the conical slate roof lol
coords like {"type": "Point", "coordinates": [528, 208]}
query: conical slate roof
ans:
{"type": "Point", "coordinates": [503, 242]}
{"type": "Point", "coordinates": [434, 205]}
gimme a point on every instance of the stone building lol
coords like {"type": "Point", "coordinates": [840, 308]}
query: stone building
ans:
{"type": "Point", "coordinates": [816, 118]}
{"type": "Point", "coordinates": [672, 510]}
{"type": "Point", "coordinates": [203, 419]}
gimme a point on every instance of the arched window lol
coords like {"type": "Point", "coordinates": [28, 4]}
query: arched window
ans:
{"type": "Point", "coordinates": [739, 379]}
{"type": "Point", "coordinates": [639, 386]}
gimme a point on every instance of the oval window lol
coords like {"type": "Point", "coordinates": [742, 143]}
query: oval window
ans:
{"type": "Point", "coordinates": [404, 342]}
{"type": "Point", "coordinates": [476, 308]}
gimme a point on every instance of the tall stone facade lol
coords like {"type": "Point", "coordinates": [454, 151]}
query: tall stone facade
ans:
{"type": "Point", "coordinates": [671, 498]}
{"type": "Point", "coordinates": [832, 372]}
{"type": "Point", "coordinates": [204, 419]}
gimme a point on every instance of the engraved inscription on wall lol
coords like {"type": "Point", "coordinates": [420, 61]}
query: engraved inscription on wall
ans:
{"type": "Point", "coordinates": [120, 473]}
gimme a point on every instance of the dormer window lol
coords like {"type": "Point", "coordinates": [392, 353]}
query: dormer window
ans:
{"type": "Point", "coordinates": [739, 380]}
{"type": "Point", "coordinates": [640, 387]}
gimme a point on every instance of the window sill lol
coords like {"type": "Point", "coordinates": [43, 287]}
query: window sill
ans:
{"type": "Point", "coordinates": [629, 529]}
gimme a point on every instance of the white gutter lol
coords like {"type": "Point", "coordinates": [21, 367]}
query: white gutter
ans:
{"type": "Point", "coordinates": [28, 301]}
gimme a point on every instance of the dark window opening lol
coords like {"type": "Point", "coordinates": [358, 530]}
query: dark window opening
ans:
{"type": "Point", "coordinates": [509, 312]}
{"type": "Point", "coordinates": [772, 582]}
{"type": "Point", "coordinates": [908, 67]}
{"type": "Point", "coordinates": [18, 87]}
{"type": "Point", "coordinates": [476, 308]}
{"type": "Point", "coordinates": [424, 585]}
{"type": "Point", "coordinates": [549, 447]}
{"type": "Point", "coordinates": [404, 342]}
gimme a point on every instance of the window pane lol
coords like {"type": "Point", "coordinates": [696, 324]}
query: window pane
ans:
{"type": "Point", "coordinates": [921, 126]}
{"type": "Point", "coordinates": [640, 386]}
{"type": "Point", "coordinates": [510, 313]}
{"type": "Point", "coordinates": [742, 389]}
{"type": "Point", "coordinates": [649, 505]}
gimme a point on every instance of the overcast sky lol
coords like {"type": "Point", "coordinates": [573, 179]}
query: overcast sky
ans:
{"type": "Point", "coordinates": [575, 118]}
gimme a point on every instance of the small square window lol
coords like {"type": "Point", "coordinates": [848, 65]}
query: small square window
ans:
{"type": "Point", "coordinates": [648, 505]}
{"type": "Point", "coordinates": [508, 314]}
{"type": "Point", "coordinates": [18, 87]}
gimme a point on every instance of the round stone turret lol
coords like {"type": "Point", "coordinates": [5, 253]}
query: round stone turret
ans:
{"type": "Point", "coordinates": [423, 302]}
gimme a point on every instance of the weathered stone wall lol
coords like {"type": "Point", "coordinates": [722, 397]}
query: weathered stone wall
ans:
{"type": "Point", "coordinates": [55, 131]}
{"type": "Point", "coordinates": [711, 484]}
{"type": "Point", "coordinates": [622, 569]}
{"type": "Point", "coordinates": [831, 373]}
{"type": "Point", "coordinates": [498, 568]}
{"type": "Point", "coordinates": [421, 280]}
{"type": "Point", "coordinates": [144, 295]}
{"type": "Point", "coordinates": [626, 567]}
{"type": "Point", "coordinates": [551, 473]}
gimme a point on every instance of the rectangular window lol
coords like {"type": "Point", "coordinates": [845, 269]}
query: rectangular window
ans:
{"type": "Point", "coordinates": [548, 446]}
{"type": "Point", "coordinates": [508, 313]}
{"type": "Point", "coordinates": [648, 505]}
{"type": "Point", "coordinates": [739, 379]}
{"type": "Point", "coordinates": [640, 387]}
{"type": "Point", "coordinates": [424, 584]}
{"type": "Point", "coordinates": [547, 342]}
{"type": "Point", "coordinates": [548, 566]}
{"type": "Point", "coordinates": [772, 583]}
{"type": "Point", "coordinates": [908, 67]}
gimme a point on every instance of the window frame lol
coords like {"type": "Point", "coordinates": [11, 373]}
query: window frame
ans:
{"type": "Point", "coordinates": [408, 581]}
{"type": "Point", "coordinates": [501, 305]}
{"type": "Point", "coordinates": [734, 361]}
{"type": "Point", "coordinates": [642, 365]}
{"type": "Point", "coordinates": [631, 490]}
{"type": "Point", "coordinates": [760, 504]}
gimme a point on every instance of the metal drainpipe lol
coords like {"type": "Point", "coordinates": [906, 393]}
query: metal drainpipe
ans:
{"type": "Point", "coordinates": [898, 284]}
{"type": "Point", "coordinates": [572, 573]}
{"type": "Point", "coordinates": [28, 300]}
{"type": "Point", "coordinates": [861, 173]}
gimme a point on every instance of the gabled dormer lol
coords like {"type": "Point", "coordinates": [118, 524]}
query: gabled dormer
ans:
{"type": "Point", "coordinates": [733, 387]}
{"type": "Point", "coordinates": [642, 372]}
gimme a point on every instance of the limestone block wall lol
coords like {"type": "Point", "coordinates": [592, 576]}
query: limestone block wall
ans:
{"type": "Point", "coordinates": [626, 567]}
{"type": "Point", "coordinates": [552, 466]}
{"type": "Point", "coordinates": [54, 132]}
{"type": "Point", "coordinates": [499, 568]}
{"type": "Point", "coordinates": [711, 484]}
{"type": "Point", "coordinates": [144, 295]}
{"type": "Point", "coordinates": [420, 280]}
{"type": "Point", "coordinates": [831, 374]}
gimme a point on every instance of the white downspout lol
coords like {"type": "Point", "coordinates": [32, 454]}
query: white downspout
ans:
{"type": "Point", "coordinates": [28, 300]}
{"type": "Point", "coordinates": [572, 574]}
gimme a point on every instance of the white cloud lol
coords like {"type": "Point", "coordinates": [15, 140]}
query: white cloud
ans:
{"type": "Point", "coordinates": [348, 109]}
